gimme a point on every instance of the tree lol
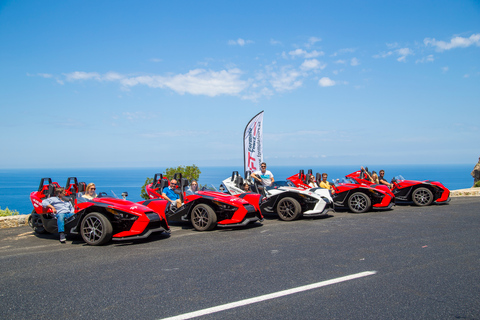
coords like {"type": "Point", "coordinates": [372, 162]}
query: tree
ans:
{"type": "Point", "coordinates": [188, 172]}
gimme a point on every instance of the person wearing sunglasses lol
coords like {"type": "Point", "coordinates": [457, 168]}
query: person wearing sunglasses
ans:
{"type": "Point", "coordinates": [168, 193]}
{"type": "Point", "coordinates": [312, 183]}
{"type": "Point", "coordinates": [90, 191]}
{"type": "Point", "coordinates": [263, 176]}
{"type": "Point", "coordinates": [192, 188]}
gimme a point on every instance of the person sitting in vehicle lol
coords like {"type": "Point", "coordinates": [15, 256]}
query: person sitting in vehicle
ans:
{"type": "Point", "coordinates": [168, 193]}
{"type": "Point", "coordinates": [382, 179]}
{"type": "Point", "coordinates": [192, 188]}
{"type": "Point", "coordinates": [312, 183]}
{"type": "Point", "coordinates": [246, 187]}
{"type": "Point", "coordinates": [366, 174]}
{"type": "Point", "coordinates": [61, 210]}
{"type": "Point", "coordinates": [374, 178]}
{"type": "Point", "coordinates": [324, 183]}
{"type": "Point", "coordinates": [90, 191]}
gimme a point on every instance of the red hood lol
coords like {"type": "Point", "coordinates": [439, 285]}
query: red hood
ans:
{"type": "Point", "coordinates": [223, 197]}
{"type": "Point", "coordinates": [124, 205]}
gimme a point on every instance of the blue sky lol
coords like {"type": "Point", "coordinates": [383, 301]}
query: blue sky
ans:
{"type": "Point", "coordinates": [167, 83]}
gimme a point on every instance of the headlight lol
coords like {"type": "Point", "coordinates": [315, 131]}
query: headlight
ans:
{"type": "Point", "coordinates": [121, 215]}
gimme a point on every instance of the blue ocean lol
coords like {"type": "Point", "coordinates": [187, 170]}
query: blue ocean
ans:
{"type": "Point", "coordinates": [17, 184]}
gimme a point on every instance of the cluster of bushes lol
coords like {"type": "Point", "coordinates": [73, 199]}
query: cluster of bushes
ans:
{"type": "Point", "coordinates": [8, 212]}
{"type": "Point", "coordinates": [477, 184]}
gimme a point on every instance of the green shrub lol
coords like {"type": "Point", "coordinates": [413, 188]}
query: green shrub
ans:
{"type": "Point", "coordinates": [7, 212]}
{"type": "Point", "coordinates": [477, 184]}
{"type": "Point", "coordinates": [188, 172]}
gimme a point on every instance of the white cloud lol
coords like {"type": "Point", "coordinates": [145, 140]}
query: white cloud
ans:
{"type": "Point", "coordinates": [79, 75]}
{"type": "Point", "coordinates": [45, 75]}
{"type": "Point", "coordinates": [196, 82]}
{"type": "Point", "coordinates": [444, 69]}
{"type": "Point", "coordinates": [326, 82]}
{"type": "Point", "coordinates": [312, 41]}
{"type": "Point", "coordinates": [285, 79]}
{"type": "Point", "coordinates": [240, 42]}
{"type": "Point", "coordinates": [304, 54]}
{"type": "Point", "coordinates": [354, 62]}
{"type": "Point", "coordinates": [274, 42]}
{"type": "Point", "coordinates": [403, 53]}
{"type": "Point", "coordinates": [312, 64]}
{"type": "Point", "coordinates": [455, 42]}
{"type": "Point", "coordinates": [383, 54]}
{"type": "Point", "coordinates": [428, 58]}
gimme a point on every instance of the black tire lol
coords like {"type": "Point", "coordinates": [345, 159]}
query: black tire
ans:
{"type": "Point", "coordinates": [359, 202]}
{"type": "Point", "coordinates": [96, 229]}
{"type": "Point", "coordinates": [289, 209]}
{"type": "Point", "coordinates": [35, 222]}
{"type": "Point", "coordinates": [203, 217]}
{"type": "Point", "coordinates": [422, 196]}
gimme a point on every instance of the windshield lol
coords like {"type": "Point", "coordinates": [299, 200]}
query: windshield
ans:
{"type": "Point", "coordinates": [81, 197]}
{"type": "Point", "coordinates": [399, 178]}
{"type": "Point", "coordinates": [343, 180]}
{"type": "Point", "coordinates": [277, 184]}
{"type": "Point", "coordinates": [210, 187]}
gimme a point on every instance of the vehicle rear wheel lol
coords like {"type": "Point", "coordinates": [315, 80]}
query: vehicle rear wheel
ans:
{"type": "Point", "coordinates": [422, 196]}
{"type": "Point", "coordinates": [289, 209]}
{"type": "Point", "coordinates": [359, 202]}
{"type": "Point", "coordinates": [96, 229]}
{"type": "Point", "coordinates": [203, 217]}
{"type": "Point", "coordinates": [35, 222]}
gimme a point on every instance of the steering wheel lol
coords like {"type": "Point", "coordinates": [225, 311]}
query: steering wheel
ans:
{"type": "Point", "coordinates": [102, 194]}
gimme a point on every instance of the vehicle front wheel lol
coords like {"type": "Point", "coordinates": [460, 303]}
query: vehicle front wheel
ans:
{"type": "Point", "coordinates": [359, 202]}
{"type": "Point", "coordinates": [289, 209]}
{"type": "Point", "coordinates": [96, 229]}
{"type": "Point", "coordinates": [203, 217]}
{"type": "Point", "coordinates": [422, 197]}
{"type": "Point", "coordinates": [35, 222]}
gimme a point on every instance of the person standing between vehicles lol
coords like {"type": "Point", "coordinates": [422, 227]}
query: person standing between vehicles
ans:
{"type": "Point", "coordinates": [264, 176]}
{"type": "Point", "coordinates": [90, 191]}
{"type": "Point", "coordinates": [169, 194]}
{"type": "Point", "coordinates": [476, 172]}
{"type": "Point", "coordinates": [324, 183]}
{"type": "Point", "coordinates": [382, 180]}
{"type": "Point", "coordinates": [61, 209]}
{"type": "Point", "coordinates": [312, 183]}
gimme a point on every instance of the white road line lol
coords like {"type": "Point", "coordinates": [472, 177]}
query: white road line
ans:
{"type": "Point", "coordinates": [270, 296]}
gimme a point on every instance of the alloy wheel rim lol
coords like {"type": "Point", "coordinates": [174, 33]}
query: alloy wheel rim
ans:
{"type": "Point", "coordinates": [200, 217]}
{"type": "Point", "coordinates": [287, 209]}
{"type": "Point", "coordinates": [93, 229]}
{"type": "Point", "coordinates": [359, 203]}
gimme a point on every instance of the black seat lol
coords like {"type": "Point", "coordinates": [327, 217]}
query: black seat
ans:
{"type": "Point", "coordinates": [318, 176]}
{"type": "Point", "coordinates": [82, 186]}
{"type": "Point", "coordinates": [157, 179]}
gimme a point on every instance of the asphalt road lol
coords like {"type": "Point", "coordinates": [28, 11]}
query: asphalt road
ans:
{"type": "Point", "coordinates": [426, 263]}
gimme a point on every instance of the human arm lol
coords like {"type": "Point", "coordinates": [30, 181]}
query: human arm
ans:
{"type": "Point", "coordinates": [47, 203]}
{"type": "Point", "coordinates": [256, 177]}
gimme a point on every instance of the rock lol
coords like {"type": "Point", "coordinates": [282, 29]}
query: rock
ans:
{"type": "Point", "coordinates": [14, 221]}
{"type": "Point", "coordinates": [470, 192]}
